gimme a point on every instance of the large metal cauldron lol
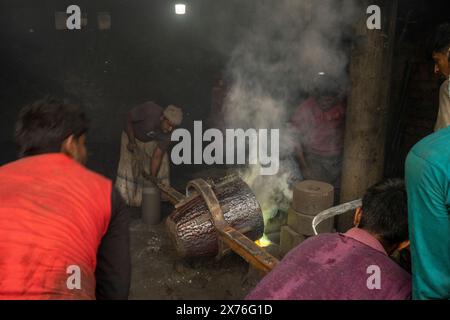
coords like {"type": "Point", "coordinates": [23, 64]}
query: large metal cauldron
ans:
{"type": "Point", "coordinates": [191, 225]}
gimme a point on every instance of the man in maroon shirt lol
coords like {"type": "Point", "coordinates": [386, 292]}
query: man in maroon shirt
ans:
{"type": "Point", "coordinates": [144, 148]}
{"type": "Point", "coordinates": [319, 125]}
{"type": "Point", "coordinates": [351, 266]}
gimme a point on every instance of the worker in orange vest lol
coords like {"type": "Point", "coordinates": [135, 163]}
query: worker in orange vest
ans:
{"type": "Point", "coordinates": [63, 229]}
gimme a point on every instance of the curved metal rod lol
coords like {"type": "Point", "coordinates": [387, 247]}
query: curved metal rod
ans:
{"type": "Point", "coordinates": [335, 211]}
{"type": "Point", "coordinates": [206, 192]}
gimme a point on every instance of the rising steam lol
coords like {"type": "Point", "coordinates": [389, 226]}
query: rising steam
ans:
{"type": "Point", "coordinates": [287, 45]}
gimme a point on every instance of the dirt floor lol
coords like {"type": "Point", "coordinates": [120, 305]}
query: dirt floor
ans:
{"type": "Point", "coordinates": [157, 272]}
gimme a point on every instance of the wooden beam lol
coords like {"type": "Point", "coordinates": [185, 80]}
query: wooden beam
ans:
{"type": "Point", "coordinates": [368, 105]}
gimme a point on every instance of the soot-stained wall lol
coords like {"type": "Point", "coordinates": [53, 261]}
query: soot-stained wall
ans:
{"type": "Point", "coordinates": [151, 54]}
{"type": "Point", "coordinates": [415, 87]}
{"type": "Point", "coordinates": [148, 54]}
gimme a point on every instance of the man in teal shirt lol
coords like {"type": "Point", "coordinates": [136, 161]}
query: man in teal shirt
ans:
{"type": "Point", "coordinates": [428, 187]}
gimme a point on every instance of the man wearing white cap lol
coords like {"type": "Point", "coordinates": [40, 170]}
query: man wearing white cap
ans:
{"type": "Point", "coordinates": [145, 141]}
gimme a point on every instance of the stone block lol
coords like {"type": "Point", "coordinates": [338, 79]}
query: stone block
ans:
{"type": "Point", "coordinates": [302, 223]}
{"type": "Point", "coordinates": [312, 197]}
{"type": "Point", "coordinates": [289, 239]}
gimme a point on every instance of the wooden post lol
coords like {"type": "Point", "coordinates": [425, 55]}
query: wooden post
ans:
{"type": "Point", "coordinates": [368, 106]}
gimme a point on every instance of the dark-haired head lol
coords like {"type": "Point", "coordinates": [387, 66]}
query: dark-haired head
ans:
{"type": "Point", "coordinates": [441, 50]}
{"type": "Point", "coordinates": [51, 125]}
{"type": "Point", "coordinates": [384, 214]}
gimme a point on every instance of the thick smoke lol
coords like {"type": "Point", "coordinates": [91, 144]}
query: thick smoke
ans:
{"type": "Point", "coordinates": [288, 43]}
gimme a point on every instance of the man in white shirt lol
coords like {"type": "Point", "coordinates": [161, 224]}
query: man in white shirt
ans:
{"type": "Point", "coordinates": [441, 57]}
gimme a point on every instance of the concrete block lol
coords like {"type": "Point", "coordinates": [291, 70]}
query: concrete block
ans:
{"type": "Point", "coordinates": [289, 239]}
{"type": "Point", "coordinates": [302, 224]}
{"type": "Point", "coordinates": [312, 197]}
{"type": "Point", "coordinates": [274, 224]}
